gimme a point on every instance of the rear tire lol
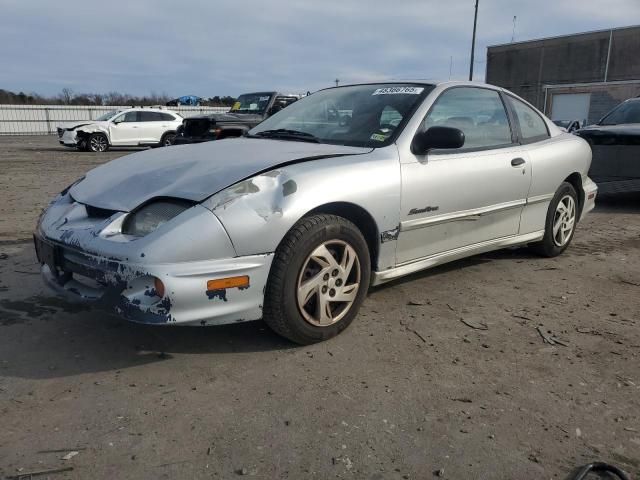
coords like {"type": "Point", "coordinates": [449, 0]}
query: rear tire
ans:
{"type": "Point", "coordinates": [167, 139]}
{"type": "Point", "coordinates": [561, 222]}
{"type": "Point", "coordinates": [318, 279]}
{"type": "Point", "coordinates": [98, 143]}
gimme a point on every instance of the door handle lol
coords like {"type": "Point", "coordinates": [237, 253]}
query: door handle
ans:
{"type": "Point", "coordinates": [516, 162]}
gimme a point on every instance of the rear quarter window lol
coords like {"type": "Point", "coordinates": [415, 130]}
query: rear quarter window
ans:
{"type": "Point", "coordinates": [532, 127]}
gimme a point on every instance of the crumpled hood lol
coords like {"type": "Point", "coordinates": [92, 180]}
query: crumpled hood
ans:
{"type": "Point", "coordinates": [74, 125]}
{"type": "Point", "coordinates": [192, 172]}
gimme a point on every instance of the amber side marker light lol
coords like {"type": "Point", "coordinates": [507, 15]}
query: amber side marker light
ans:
{"type": "Point", "coordinates": [230, 282]}
{"type": "Point", "coordinates": [159, 286]}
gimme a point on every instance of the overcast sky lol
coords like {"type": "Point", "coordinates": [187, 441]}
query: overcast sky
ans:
{"type": "Point", "coordinates": [226, 47]}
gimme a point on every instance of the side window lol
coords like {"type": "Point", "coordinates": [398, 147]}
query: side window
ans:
{"type": "Point", "coordinates": [131, 117]}
{"type": "Point", "coordinates": [284, 101]}
{"type": "Point", "coordinates": [167, 117]}
{"type": "Point", "coordinates": [478, 112]}
{"type": "Point", "coordinates": [150, 117]}
{"type": "Point", "coordinates": [532, 126]}
{"type": "Point", "coordinates": [127, 117]}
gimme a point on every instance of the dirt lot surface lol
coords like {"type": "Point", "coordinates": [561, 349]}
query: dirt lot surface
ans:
{"type": "Point", "coordinates": [409, 389]}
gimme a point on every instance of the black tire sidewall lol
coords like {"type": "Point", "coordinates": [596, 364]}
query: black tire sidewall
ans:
{"type": "Point", "coordinates": [548, 246]}
{"type": "Point", "coordinates": [301, 330]}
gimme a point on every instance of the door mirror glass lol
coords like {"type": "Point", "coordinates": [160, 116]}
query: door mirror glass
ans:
{"type": "Point", "coordinates": [437, 137]}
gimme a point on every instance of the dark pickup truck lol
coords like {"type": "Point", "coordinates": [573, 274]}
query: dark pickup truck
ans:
{"type": "Point", "coordinates": [249, 110]}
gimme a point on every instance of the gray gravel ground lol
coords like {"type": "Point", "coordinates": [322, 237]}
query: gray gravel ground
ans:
{"type": "Point", "coordinates": [407, 390]}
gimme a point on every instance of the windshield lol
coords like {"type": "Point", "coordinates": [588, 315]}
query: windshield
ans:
{"type": "Point", "coordinates": [626, 112]}
{"type": "Point", "coordinates": [359, 115]}
{"type": "Point", "coordinates": [251, 103]}
{"type": "Point", "coordinates": [107, 116]}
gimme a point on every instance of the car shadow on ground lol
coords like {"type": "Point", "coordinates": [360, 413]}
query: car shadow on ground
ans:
{"type": "Point", "coordinates": [61, 341]}
{"type": "Point", "coordinates": [44, 336]}
{"type": "Point", "coordinates": [509, 254]}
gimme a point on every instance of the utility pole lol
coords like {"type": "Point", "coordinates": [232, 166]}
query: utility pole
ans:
{"type": "Point", "coordinates": [450, 66]}
{"type": "Point", "coordinates": [513, 34]}
{"type": "Point", "coordinates": [473, 42]}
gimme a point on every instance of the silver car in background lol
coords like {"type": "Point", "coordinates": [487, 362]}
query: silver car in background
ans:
{"type": "Point", "coordinates": [349, 187]}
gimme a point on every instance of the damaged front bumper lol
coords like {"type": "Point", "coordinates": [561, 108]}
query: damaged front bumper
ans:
{"type": "Point", "coordinates": [160, 278]}
{"type": "Point", "coordinates": [69, 138]}
{"type": "Point", "coordinates": [131, 290]}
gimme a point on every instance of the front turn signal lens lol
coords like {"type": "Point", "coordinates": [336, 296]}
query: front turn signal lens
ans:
{"type": "Point", "coordinates": [229, 282]}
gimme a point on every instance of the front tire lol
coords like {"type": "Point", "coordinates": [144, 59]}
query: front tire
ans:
{"type": "Point", "coordinates": [318, 279]}
{"type": "Point", "coordinates": [98, 143]}
{"type": "Point", "coordinates": [561, 222]}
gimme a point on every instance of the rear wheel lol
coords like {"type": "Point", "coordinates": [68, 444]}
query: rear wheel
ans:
{"type": "Point", "coordinates": [167, 139]}
{"type": "Point", "coordinates": [561, 222]}
{"type": "Point", "coordinates": [318, 279]}
{"type": "Point", "coordinates": [98, 143]}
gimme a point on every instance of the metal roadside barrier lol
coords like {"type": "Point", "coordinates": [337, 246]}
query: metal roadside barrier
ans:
{"type": "Point", "coordinates": [43, 119]}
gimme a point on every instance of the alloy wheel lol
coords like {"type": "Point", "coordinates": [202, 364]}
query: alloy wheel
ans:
{"type": "Point", "coordinates": [564, 220]}
{"type": "Point", "coordinates": [98, 143]}
{"type": "Point", "coordinates": [328, 283]}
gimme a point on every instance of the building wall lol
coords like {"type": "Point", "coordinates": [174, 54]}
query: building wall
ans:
{"type": "Point", "coordinates": [604, 97]}
{"type": "Point", "coordinates": [526, 67]}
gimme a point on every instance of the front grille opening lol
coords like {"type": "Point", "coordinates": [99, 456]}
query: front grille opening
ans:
{"type": "Point", "coordinates": [88, 282]}
{"type": "Point", "coordinates": [96, 212]}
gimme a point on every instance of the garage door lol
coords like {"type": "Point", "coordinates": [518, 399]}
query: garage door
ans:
{"type": "Point", "coordinates": [570, 106]}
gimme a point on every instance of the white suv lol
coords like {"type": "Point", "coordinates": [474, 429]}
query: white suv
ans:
{"type": "Point", "coordinates": [123, 128]}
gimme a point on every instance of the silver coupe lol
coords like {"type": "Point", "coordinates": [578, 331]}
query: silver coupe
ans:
{"type": "Point", "coordinates": [349, 187]}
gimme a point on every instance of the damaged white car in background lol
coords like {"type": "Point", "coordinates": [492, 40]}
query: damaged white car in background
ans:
{"type": "Point", "coordinates": [349, 187]}
{"type": "Point", "coordinates": [134, 127]}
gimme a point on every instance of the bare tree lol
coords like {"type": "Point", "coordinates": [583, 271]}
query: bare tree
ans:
{"type": "Point", "coordinates": [66, 95]}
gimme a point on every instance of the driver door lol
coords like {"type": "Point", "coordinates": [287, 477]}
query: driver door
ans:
{"type": "Point", "coordinates": [125, 129]}
{"type": "Point", "coordinates": [452, 199]}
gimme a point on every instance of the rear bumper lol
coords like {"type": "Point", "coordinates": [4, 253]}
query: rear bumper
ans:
{"type": "Point", "coordinates": [129, 289]}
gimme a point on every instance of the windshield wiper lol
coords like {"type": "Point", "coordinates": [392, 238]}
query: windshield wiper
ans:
{"type": "Point", "coordinates": [284, 133]}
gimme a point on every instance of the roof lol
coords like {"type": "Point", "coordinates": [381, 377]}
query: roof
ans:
{"type": "Point", "coordinates": [556, 37]}
{"type": "Point", "coordinates": [429, 82]}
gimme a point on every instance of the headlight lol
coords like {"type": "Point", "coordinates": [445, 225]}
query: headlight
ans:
{"type": "Point", "coordinates": [145, 220]}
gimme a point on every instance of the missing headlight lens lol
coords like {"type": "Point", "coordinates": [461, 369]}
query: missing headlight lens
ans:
{"type": "Point", "coordinates": [148, 218]}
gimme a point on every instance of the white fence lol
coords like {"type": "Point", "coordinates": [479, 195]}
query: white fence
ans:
{"type": "Point", "coordinates": [43, 119]}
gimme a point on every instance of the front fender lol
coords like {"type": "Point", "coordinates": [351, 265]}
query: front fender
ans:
{"type": "Point", "coordinates": [258, 212]}
{"type": "Point", "coordinates": [92, 128]}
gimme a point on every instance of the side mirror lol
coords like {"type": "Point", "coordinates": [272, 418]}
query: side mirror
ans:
{"type": "Point", "coordinates": [117, 121]}
{"type": "Point", "coordinates": [437, 137]}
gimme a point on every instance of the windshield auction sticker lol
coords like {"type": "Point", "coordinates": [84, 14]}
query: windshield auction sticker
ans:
{"type": "Point", "coordinates": [398, 90]}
